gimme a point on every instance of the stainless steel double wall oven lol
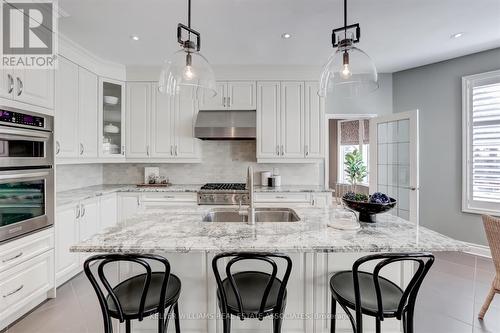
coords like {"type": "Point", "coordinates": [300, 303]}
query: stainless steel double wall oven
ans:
{"type": "Point", "coordinates": [26, 172]}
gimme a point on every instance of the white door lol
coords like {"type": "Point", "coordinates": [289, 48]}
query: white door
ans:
{"type": "Point", "coordinates": [313, 121]}
{"type": "Point", "coordinates": [185, 110]}
{"type": "Point", "coordinates": [6, 83]}
{"type": "Point", "coordinates": [162, 125]}
{"type": "Point", "coordinates": [88, 113]}
{"type": "Point", "coordinates": [241, 95]}
{"type": "Point", "coordinates": [292, 120]}
{"type": "Point", "coordinates": [217, 102]}
{"type": "Point", "coordinates": [394, 161]}
{"type": "Point", "coordinates": [138, 113]}
{"type": "Point", "coordinates": [35, 86]}
{"type": "Point", "coordinates": [66, 235]}
{"type": "Point", "coordinates": [66, 119]}
{"type": "Point", "coordinates": [268, 119]}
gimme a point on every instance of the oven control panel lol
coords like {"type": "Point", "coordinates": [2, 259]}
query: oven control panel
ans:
{"type": "Point", "coordinates": [12, 117]}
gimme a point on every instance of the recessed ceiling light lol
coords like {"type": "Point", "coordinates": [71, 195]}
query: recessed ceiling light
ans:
{"type": "Point", "coordinates": [134, 37]}
{"type": "Point", "coordinates": [457, 35]}
{"type": "Point", "coordinates": [286, 35]}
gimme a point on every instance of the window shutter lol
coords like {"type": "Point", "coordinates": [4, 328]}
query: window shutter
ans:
{"type": "Point", "coordinates": [485, 141]}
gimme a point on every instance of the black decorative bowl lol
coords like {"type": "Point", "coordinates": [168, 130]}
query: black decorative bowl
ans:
{"type": "Point", "coordinates": [368, 210]}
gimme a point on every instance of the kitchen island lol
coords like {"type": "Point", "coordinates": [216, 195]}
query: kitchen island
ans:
{"type": "Point", "coordinates": [317, 251]}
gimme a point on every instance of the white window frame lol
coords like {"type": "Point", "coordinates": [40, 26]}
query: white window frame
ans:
{"type": "Point", "coordinates": [468, 205]}
{"type": "Point", "coordinates": [340, 161]}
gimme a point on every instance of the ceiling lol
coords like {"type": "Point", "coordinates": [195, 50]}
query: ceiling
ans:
{"type": "Point", "coordinates": [397, 34]}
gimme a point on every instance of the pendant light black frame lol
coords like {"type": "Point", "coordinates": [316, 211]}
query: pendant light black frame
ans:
{"type": "Point", "coordinates": [336, 32]}
{"type": "Point", "coordinates": [180, 27]}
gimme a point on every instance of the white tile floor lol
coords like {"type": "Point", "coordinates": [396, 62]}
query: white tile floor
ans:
{"type": "Point", "coordinates": [448, 302]}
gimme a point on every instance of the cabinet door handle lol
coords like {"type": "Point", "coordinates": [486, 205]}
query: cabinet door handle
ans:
{"type": "Point", "coordinates": [20, 85]}
{"type": "Point", "coordinates": [81, 149]}
{"type": "Point", "coordinates": [78, 211]}
{"type": "Point", "coordinates": [123, 150]}
{"type": "Point", "coordinates": [171, 150]}
{"type": "Point", "coordinates": [282, 151]}
{"type": "Point", "coordinates": [147, 150]}
{"type": "Point", "coordinates": [14, 257]}
{"type": "Point", "coordinates": [229, 101]}
{"type": "Point", "coordinates": [278, 150]}
{"type": "Point", "coordinates": [11, 83]}
{"type": "Point", "coordinates": [58, 147]}
{"type": "Point", "coordinates": [83, 210]}
{"type": "Point", "coordinates": [14, 291]}
{"type": "Point", "coordinates": [138, 201]}
{"type": "Point", "coordinates": [224, 101]}
{"type": "Point", "coordinates": [175, 150]}
{"type": "Point", "coordinates": [306, 148]}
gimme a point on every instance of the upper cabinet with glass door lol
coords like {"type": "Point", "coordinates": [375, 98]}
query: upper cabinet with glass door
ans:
{"type": "Point", "coordinates": [112, 118]}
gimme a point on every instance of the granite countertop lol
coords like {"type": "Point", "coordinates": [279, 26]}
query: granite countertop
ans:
{"type": "Point", "coordinates": [73, 196]}
{"type": "Point", "coordinates": [180, 229]}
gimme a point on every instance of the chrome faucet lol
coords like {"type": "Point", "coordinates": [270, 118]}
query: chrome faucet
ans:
{"type": "Point", "coordinates": [251, 208]}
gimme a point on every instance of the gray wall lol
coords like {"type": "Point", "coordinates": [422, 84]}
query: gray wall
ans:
{"type": "Point", "coordinates": [378, 102]}
{"type": "Point", "coordinates": [436, 91]}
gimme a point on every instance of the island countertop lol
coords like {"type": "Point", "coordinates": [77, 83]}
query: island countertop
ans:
{"type": "Point", "coordinates": [180, 229]}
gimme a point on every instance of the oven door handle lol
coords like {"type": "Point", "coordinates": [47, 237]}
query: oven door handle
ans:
{"type": "Point", "coordinates": [29, 135]}
{"type": "Point", "coordinates": [24, 175]}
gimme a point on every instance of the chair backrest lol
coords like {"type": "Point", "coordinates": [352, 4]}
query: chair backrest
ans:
{"type": "Point", "coordinates": [492, 229]}
{"type": "Point", "coordinates": [139, 259]}
{"type": "Point", "coordinates": [241, 256]}
{"type": "Point", "coordinates": [423, 262]}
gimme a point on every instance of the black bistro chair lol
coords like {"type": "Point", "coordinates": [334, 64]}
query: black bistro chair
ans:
{"type": "Point", "coordinates": [139, 296]}
{"type": "Point", "coordinates": [373, 295]}
{"type": "Point", "coordinates": [252, 294]}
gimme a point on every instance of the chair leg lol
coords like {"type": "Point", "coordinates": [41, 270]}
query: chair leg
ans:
{"type": "Point", "coordinates": [333, 314]}
{"type": "Point", "coordinates": [177, 318]}
{"type": "Point", "coordinates": [277, 321]}
{"type": "Point", "coordinates": [377, 325]}
{"type": "Point", "coordinates": [409, 321]}
{"type": "Point", "coordinates": [127, 326]}
{"type": "Point", "coordinates": [487, 303]}
{"type": "Point", "coordinates": [351, 318]}
{"type": "Point", "coordinates": [226, 322]}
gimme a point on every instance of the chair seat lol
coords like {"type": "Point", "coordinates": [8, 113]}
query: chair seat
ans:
{"type": "Point", "coordinates": [251, 286]}
{"type": "Point", "coordinates": [342, 287]}
{"type": "Point", "coordinates": [129, 294]}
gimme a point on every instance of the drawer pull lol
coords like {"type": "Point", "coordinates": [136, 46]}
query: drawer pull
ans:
{"type": "Point", "coordinates": [14, 291]}
{"type": "Point", "coordinates": [14, 257]}
{"type": "Point", "coordinates": [280, 197]}
{"type": "Point", "coordinates": [169, 197]}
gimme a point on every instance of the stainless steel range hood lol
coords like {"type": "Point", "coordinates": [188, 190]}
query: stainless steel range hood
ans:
{"type": "Point", "coordinates": [225, 125]}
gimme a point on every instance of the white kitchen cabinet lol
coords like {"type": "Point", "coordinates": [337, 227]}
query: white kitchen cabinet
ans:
{"type": "Point", "coordinates": [88, 113]}
{"type": "Point", "coordinates": [162, 125]}
{"type": "Point", "coordinates": [89, 218]}
{"type": "Point", "coordinates": [66, 119]}
{"type": "Point", "coordinates": [289, 122]}
{"type": "Point", "coordinates": [186, 146]}
{"type": "Point", "coordinates": [108, 208]}
{"type": "Point", "coordinates": [66, 234]}
{"type": "Point", "coordinates": [111, 119]}
{"type": "Point", "coordinates": [129, 204]}
{"type": "Point", "coordinates": [138, 113]}
{"type": "Point", "coordinates": [231, 95]}
{"type": "Point", "coordinates": [292, 120]}
{"type": "Point", "coordinates": [268, 119]}
{"type": "Point", "coordinates": [6, 83]}
{"type": "Point", "coordinates": [314, 113]}
{"type": "Point", "coordinates": [35, 87]}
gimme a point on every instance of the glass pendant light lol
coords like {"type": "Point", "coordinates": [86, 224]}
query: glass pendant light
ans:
{"type": "Point", "coordinates": [187, 68]}
{"type": "Point", "coordinates": [349, 71]}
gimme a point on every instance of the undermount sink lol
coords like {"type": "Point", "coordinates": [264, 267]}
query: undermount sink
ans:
{"type": "Point", "coordinates": [261, 215]}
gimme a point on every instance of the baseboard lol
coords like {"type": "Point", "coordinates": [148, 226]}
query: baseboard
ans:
{"type": "Point", "coordinates": [478, 250]}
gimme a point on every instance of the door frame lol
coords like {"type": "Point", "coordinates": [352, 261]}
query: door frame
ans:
{"type": "Point", "coordinates": [414, 185]}
{"type": "Point", "coordinates": [338, 116]}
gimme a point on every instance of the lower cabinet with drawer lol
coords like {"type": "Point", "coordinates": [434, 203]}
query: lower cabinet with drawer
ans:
{"type": "Point", "coordinates": [26, 274]}
{"type": "Point", "coordinates": [306, 199]}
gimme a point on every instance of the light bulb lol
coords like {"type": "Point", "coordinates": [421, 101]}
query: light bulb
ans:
{"type": "Point", "coordinates": [188, 72]}
{"type": "Point", "coordinates": [346, 72]}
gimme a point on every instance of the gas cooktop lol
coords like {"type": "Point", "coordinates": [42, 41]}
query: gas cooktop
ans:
{"type": "Point", "coordinates": [223, 194]}
{"type": "Point", "coordinates": [224, 187]}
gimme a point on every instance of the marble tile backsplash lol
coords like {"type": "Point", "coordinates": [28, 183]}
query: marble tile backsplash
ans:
{"type": "Point", "coordinates": [222, 161]}
{"type": "Point", "coordinates": [69, 177]}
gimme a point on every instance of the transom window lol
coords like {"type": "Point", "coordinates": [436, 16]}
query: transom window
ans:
{"type": "Point", "coordinates": [481, 143]}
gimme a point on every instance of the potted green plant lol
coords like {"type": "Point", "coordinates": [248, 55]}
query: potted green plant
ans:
{"type": "Point", "coordinates": [355, 168]}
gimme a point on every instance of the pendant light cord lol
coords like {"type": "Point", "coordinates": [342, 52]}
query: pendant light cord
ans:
{"type": "Point", "coordinates": [189, 19]}
{"type": "Point", "coordinates": [345, 19]}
